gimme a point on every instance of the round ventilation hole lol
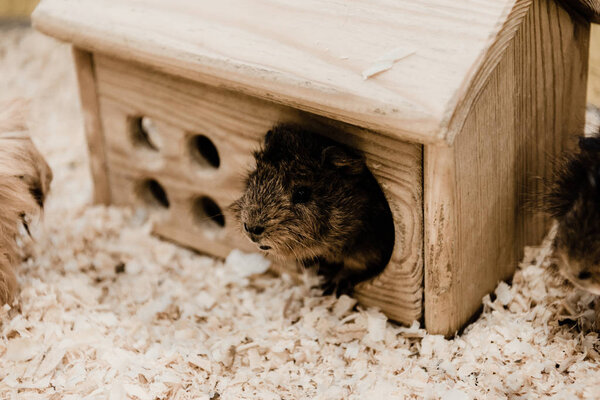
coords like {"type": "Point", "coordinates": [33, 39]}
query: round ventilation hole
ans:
{"type": "Point", "coordinates": [153, 194]}
{"type": "Point", "coordinates": [204, 152]}
{"type": "Point", "coordinates": [144, 133]}
{"type": "Point", "coordinates": [208, 213]}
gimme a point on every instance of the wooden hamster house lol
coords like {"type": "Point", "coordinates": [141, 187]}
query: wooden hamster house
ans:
{"type": "Point", "coordinates": [458, 106]}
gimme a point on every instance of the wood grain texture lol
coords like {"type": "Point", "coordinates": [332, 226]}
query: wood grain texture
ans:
{"type": "Point", "coordinates": [475, 222]}
{"type": "Point", "coordinates": [236, 123]}
{"type": "Point", "coordinates": [493, 55]}
{"type": "Point", "coordinates": [593, 89]}
{"type": "Point", "coordinates": [84, 68]}
{"type": "Point", "coordinates": [306, 54]}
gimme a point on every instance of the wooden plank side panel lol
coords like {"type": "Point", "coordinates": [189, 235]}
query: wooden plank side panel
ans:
{"type": "Point", "coordinates": [476, 222]}
{"type": "Point", "coordinates": [181, 109]}
{"type": "Point", "coordinates": [88, 96]}
{"type": "Point", "coordinates": [470, 92]}
{"type": "Point", "coordinates": [236, 123]}
{"type": "Point", "coordinates": [551, 101]}
{"type": "Point", "coordinates": [593, 89]}
{"type": "Point", "coordinates": [470, 203]}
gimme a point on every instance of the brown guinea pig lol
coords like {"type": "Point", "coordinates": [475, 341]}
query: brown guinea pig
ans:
{"type": "Point", "coordinates": [24, 182]}
{"type": "Point", "coordinates": [574, 202]}
{"type": "Point", "coordinates": [313, 200]}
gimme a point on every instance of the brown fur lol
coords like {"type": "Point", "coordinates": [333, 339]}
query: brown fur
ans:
{"type": "Point", "coordinates": [574, 202]}
{"type": "Point", "coordinates": [316, 202]}
{"type": "Point", "coordinates": [24, 181]}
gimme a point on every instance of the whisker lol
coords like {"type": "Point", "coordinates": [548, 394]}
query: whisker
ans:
{"type": "Point", "coordinates": [198, 219]}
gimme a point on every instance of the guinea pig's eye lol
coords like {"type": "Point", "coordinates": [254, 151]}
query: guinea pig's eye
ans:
{"type": "Point", "coordinates": [301, 195]}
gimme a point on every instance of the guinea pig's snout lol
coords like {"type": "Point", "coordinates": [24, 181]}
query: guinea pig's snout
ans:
{"type": "Point", "coordinates": [581, 273]}
{"type": "Point", "coordinates": [254, 233]}
{"type": "Point", "coordinates": [587, 279]}
{"type": "Point", "coordinates": [253, 221]}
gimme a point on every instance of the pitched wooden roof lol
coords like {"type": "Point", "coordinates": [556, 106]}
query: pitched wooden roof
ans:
{"type": "Point", "coordinates": [408, 68]}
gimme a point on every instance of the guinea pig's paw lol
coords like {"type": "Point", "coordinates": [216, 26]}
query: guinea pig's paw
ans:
{"type": "Point", "coordinates": [328, 287]}
{"type": "Point", "coordinates": [338, 285]}
{"type": "Point", "coordinates": [338, 288]}
{"type": "Point", "coordinates": [345, 286]}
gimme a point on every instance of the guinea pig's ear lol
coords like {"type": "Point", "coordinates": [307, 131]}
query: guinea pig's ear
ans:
{"type": "Point", "coordinates": [591, 144]}
{"type": "Point", "coordinates": [352, 163]}
{"type": "Point", "coordinates": [268, 138]}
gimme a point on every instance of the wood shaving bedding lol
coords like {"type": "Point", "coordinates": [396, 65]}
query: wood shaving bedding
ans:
{"type": "Point", "coordinates": [108, 311]}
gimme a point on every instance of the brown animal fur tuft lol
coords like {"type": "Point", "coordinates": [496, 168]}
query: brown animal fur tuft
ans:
{"type": "Point", "coordinates": [573, 202]}
{"type": "Point", "coordinates": [24, 182]}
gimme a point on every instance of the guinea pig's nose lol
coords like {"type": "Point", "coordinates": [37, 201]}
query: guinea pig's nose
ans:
{"type": "Point", "coordinates": [256, 230]}
{"type": "Point", "coordinates": [584, 275]}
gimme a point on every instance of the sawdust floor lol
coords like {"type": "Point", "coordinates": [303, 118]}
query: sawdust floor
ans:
{"type": "Point", "coordinates": [180, 325]}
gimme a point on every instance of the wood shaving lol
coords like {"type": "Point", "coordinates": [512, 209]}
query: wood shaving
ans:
{"type": "Point", "coordinates": [178, 325]}
{"type": "Point", "coordinates": [387, 61]}
{"type": "Point", "coordinates": [244, 265]}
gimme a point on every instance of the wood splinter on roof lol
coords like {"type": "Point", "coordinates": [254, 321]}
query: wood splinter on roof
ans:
{"type": "Point", "coordinates": [387, 61]}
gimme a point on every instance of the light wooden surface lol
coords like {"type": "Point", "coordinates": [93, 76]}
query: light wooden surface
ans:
{"type": "Point", "coordinates": [307, 54]}
{"type": "Point", "coordinates": [88, 98]}
{"type": "Point", "coordinates": [16, 8]}
{"type": "Point", "coordinates": [594, 67]}
{"type": "Point", "coordinates": [236, 123]}
{"type": "Point", "coordinates": [494, 54]}
{"type": "Point", "coordinates": [475, 221]}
